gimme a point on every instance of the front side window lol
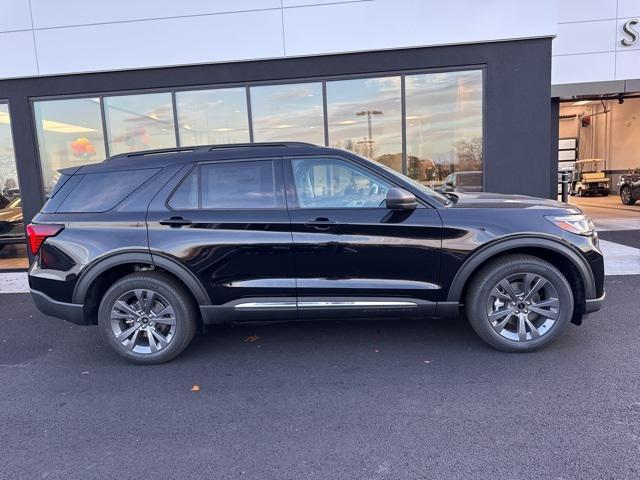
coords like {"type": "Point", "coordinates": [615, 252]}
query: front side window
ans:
{"type": "Point", "coordinates": [333, 183]}
{"type": "Point", "coordinates": [225, 185]}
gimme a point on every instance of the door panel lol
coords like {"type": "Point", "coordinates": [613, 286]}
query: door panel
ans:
{"type": "Point", "coordinates": [240, 255]}
{"type": "Point", "coordinates": [374, 254]}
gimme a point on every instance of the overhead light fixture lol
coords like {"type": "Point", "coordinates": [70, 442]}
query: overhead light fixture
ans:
{"type": "Point", "coordinates": [223, 129]}
{"type": "Point", "coordinates": [582, 102]}
{"type": "Point", "coordinates": [283, 125]}
{"type": "Point", "coordinates": [346, 122]}
{"type": "Point", "coordinates": [4, 118]}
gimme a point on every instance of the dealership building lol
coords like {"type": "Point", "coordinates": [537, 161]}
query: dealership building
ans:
{"type": "Point", "coordinates": [515, 90]}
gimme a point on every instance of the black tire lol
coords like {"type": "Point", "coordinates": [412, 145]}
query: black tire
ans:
{"type": "Point", "coordinates": [605, 194]}
{"type": "Point", "coordinates": [626, 196]}
{"type": "Point", "coordinates": [478, 300]}
{"type": "Point", "coordinates": [185, 320]}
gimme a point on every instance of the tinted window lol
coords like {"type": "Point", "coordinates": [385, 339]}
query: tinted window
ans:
{"type": "Point", "coordinates": [330, 183]}
{"type": "Point", "coordinates": [238, 185]}
{"type": "Point", "coordinates": [99, 192]}
{"type": "Point", "coordinates": [186, 195]}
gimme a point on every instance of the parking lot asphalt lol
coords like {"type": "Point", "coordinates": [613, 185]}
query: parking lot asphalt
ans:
{"type": "Point", "coordinates": [334, 400]}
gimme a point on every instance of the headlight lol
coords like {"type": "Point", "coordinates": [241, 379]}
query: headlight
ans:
{"type": "Point", "coordinates": [578, 224]}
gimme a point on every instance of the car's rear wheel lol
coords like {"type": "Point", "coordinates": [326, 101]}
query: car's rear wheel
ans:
{"type": "Point", "coordinates": [626, 195]}
{"type": "Point", "coordinates": [147, 317]}
{"type": "Point", "coordinates": [519, 303]}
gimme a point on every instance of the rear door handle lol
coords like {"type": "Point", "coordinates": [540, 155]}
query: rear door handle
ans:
{"type": "Point", "coordinates": [176, 222]}
{"type": "Point", "coordinates": [321, 223]}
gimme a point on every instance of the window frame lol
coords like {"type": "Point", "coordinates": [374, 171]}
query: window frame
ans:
{"type": "Point", "coordinates": [278, 181]}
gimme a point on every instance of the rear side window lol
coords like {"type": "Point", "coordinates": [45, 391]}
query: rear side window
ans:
{"type": "Point", "coordinates": [243, 185]}
{"type": "Point", "coordinates": [62, 179]}
{"type": "Point", "coordinates": [99, 192]}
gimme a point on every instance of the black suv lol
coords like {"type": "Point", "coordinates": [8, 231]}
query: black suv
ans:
{"type": "Point", "coordinates": [153, 245]}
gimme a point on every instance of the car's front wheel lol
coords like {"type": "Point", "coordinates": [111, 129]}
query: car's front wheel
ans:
{"type": "Point", "coordinates": [147, 317]}
{"type": "Point", "coordinates": [519, 303]}
{"type": "Point", "coordinates": [626, 196]}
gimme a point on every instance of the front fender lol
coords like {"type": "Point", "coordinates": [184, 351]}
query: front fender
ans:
{"type": "Point", "coordinates": [501, 246]}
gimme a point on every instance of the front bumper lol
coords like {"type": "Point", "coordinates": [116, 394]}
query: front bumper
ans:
{"type": "Point", "coordinates": [594, 304]}
{"type": "Point", "coordinates": [71, 312]}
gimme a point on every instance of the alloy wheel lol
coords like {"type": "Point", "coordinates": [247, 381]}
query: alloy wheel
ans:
{"type": "Point", "coordinates": [143, 321]}
{"type": "Point", "coordinates": [626, 195]}
{"type": "Point", "coordinates": [523, 307]}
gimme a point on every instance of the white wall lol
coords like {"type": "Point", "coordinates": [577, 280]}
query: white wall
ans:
{"type": "Point", "coordinates": [588, 47]}
{"type": "Point", "coordinates": [45, 37]}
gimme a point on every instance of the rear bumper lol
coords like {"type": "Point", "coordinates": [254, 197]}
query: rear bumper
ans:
{"type": "Point", "coordinates": [594, 304]}
{"type": "Point", "coordinates": [71, 312]}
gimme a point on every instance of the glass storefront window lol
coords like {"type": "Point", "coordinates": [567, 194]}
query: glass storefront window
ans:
{"type": "Point", "coordinates": [288, 113]}
{"type": "Point", "coordinates": [139, 122]}
{"type": "Point", "coordinates": [365, 116]}
{"type": "Point", "coordinates": [444, 126]}
{"type": "Point", "coordinates": [69, 134]}
{"type": "Point", "coordinates": [13, 251]}
{"type": "Point", "coordinates": [209, 117]}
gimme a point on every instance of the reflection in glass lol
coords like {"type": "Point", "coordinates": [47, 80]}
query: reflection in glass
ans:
{"type": "Point", "coordinates": [288, 113]}
{"type": "Point", "coordinates": [139, 122]}
{"type": "Point", "coordinates": [365, 117]}
{"type": "Point", "coordinates": [69, 134]}
{"type": "Point", "coordinates": [13, 252]}
{"type": "Point", "coordinates": [208, 117]}
{"type": "Point", "coordinates": [444, 125]}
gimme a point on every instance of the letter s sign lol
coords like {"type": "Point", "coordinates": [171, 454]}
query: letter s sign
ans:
{"type": "Point", "coordinates": [633, 34]}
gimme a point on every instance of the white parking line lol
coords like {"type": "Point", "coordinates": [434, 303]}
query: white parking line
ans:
{"type": "Point", "coordinates": [620, 259]}
{"type": "Point", "coordinates": [14, 282]}
{"type": "Point", "coordinates": [604, 225]}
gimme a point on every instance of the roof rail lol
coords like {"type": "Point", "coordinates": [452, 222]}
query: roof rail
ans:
{"type": "Point", "coordinates": [210, 148]}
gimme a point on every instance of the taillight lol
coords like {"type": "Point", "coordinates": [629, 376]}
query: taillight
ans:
{"type": "Point", "coordinates": [37, 233]}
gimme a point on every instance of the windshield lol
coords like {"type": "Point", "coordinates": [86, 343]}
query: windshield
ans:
{"type": "Point", "coordinates": [419, 186]}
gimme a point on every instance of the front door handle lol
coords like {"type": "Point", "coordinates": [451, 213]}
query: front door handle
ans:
{"type": "Point", "coordinates": [321, 223]}
{"type": "Point", "coordinates": [176, 222]}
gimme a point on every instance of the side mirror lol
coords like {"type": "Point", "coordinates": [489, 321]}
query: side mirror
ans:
{"type": "Point", "coordinates": [399, 199]}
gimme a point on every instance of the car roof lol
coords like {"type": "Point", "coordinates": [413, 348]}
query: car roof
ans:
{"type": "Point", "coordinates": [171, 156]}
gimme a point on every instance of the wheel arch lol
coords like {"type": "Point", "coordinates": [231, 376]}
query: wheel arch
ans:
{"type": "Point", "coordinates": [125, 262]}
{"type": "Point", "coordinates": [563, 256]}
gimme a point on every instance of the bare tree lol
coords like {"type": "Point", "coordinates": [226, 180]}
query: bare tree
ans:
{"type": "Point", "coordinates": [469, 154]}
